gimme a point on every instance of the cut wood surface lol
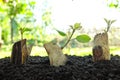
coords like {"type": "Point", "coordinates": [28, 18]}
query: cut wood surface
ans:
{"type": "Point", "coordinates": [20, 52]}
{"type": "Point", "coordinates": [55, 54]}
{"type": "Point", "coordinates": [24, 52]}
{"type": "Point", "coordinates": [101, 47]}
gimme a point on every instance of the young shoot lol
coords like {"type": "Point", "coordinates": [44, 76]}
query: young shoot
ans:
{"type": "Point", "coordinates": [81, 38]}
{"type": "Point", "coordinates": [109, 23]}
{"type": "Point", "coordinates": [23, 30]}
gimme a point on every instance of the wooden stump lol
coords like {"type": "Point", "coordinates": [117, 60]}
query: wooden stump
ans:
{"type": "Point", "coordinates": [20, 52]}
{"type": "Point", "coordinates": [55, 54]}
{"type": "Point", "coordinates": [101, 47]}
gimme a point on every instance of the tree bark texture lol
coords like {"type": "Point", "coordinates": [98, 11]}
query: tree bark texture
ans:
{"type": "Point", "coordinates": [55, 54]}
{"type": "Point", "coordinates": [101, 47]}
{"type": "Point", "coordinates": [20, 52]}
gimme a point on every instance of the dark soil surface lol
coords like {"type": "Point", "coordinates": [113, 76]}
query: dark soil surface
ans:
{"type": "Point", "coordinates": [77, 68]}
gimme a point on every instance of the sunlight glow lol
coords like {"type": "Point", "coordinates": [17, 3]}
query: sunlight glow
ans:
{"type": "Point", "coordinates": [90, 13]}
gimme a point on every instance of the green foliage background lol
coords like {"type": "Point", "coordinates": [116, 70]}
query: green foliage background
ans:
{"type": "Point", "coordinates": [16, 14]}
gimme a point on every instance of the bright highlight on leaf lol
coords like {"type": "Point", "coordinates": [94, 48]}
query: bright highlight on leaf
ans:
{"type": "Point", "coordinates": [77, 26]}
{"type": "Point", "coordinates": [61, 33]}
{"type": "Point", "coordinates": [83, 38]}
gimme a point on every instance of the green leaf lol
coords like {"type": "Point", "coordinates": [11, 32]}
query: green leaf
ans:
{"type": "Point", "coordinates": [113, 5]}
{"type": "Point", "coordinates": [106, 20]}
{"type": "Point", "coordinates": [113, 21]}
{"type": "Point", "coordinates": [71, 27]}
{"type": "Point", "coordinates": [83, 38]}
{"type": "Point", "coordinates": [77, 26]}
{"type": "Point", "coordinates": [28, 29]}
{"type": "Point", "coordinates": [23, 29]}
{"type": "Point", "coordinates": [61, 33]}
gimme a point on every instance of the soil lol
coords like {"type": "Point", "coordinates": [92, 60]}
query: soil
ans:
{"type": "Point", "coordinates": [76, 68]}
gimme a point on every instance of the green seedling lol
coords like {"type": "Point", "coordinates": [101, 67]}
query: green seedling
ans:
{"type": "Point", "coordinates": [109, 23]}
{"type": "Point", "coordinates": [23, 30]}
{"type": "Point", "coordinates": [80, 38]}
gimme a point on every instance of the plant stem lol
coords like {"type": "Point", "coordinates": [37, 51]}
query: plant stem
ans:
{"type": "Point", "coordinates": [21, 35]}
{"type": "Point", "coordinates": [108, 27]}
{"type": "Point", "coordinates": [68, 39]}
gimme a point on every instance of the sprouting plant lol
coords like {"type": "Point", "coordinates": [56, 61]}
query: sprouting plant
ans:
{"type": "Point", "coordinates": [109, 23]}
{"type": "Point", "coordinates": [23, 30]}
{"type": "Point", "coordinates": [80, 38]}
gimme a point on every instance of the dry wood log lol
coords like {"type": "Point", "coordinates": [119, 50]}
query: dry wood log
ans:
{"type": "Point", "coordinates": [101, 47]}
{"type": "Point", "coordinates": [20, 52]}
{"type": "Point", "coordinates": [24, 53]}
{"type": "Point", "coordinates": [55, 54]}
{"type": "Point", "coordinates": [26, 50]}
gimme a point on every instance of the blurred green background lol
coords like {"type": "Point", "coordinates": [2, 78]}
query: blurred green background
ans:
{"type": "Point", "coordinates": [17, 14]}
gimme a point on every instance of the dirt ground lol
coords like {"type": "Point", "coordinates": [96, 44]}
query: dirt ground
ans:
{"type": "Point", "coordinates": [76, 68]}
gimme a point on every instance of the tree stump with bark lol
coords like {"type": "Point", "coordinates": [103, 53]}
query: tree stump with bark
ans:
{"type": "Point", "coordinates": [101, 47]}
{"type": "Point", "coordinates": [20, 52]}
{"type": "Point", "coordinates": [55, 54]}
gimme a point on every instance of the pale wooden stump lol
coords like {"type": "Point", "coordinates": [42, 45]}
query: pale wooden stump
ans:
{"type": "Point", "coordinates": [101, 47]}
{"type": "Point", "coordinates": [55, 54]}
{"type": "Point", "coordinates": [20, 52]}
